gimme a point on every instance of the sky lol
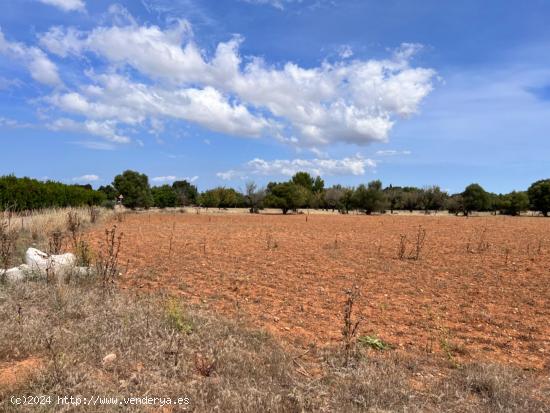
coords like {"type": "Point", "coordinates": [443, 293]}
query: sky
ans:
{"type": "Point", "coordinates": [424, 92]}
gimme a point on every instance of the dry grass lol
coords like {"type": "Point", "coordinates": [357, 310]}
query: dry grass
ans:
{"type": "Point", "coordinates": [46, 229]}
{"type": "Point", "coordinates": [166, 348]}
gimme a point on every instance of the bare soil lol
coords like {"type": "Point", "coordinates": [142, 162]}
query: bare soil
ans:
{"type": "Point", "coordinates": [17, 373]}
{"type": "Point", "coordinates": [480, 290]}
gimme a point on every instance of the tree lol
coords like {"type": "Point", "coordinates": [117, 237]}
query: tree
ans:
{"type": "Point", "coordinates": [539, 196]}
{"type": "Point", "coordinates": [370, 198]}
{"type": "Point", "coordinates": [454, 204]}
{"type": "Point", "coordinates": [411, 199]}
{"type": "Point", "coordinates": [229, 198]}
{"type": "Point", "coordinates": [135, 189]}
{"type": "Point", "coordinates": [513, 203]}
{"type": "Point", "coordinates": [164, 196]}
{"type": "Point", "coordinates": [474, 199]}
{"type": "Point", "coordinates": [254, 197]}
{"type": "Point", "coordinates": [432, 198]}
{"type": "Point", "coordinates": [318, 185]}
{"type": "Point", "coordinates": [286, 196]}
{"type": "Point", "coordinates": [21, 194]}
{"type": "Point", "coordinates": [395, 197]}
{"type": "Point", "coordinates": [109, 191]}
{"type": "Point", "coordinates": [304, 180]}
{"type": "Point", "coordinates": [186, 192]}
{"type": "Point", "coordinates": [210, 199]}
{"type": "Point", "coordinates": [332, 197]}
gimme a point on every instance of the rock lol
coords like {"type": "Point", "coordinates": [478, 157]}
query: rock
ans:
{"type": "Point", "coordinates": [39, 262]}
{"type": "Point", "coordinates": [13, 274]}
{"type": "Point", "coordinates": [109, 358]}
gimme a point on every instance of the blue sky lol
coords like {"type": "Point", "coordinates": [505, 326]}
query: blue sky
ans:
{"type": "Point", "coordinates": [409, 92]}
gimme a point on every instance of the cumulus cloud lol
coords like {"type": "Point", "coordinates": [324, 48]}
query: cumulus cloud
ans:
{"type": "Point", "coordinates": [104, 129]}
{"type": "Point", "coordinates": [66, 5]}
{"type": "Point", "coordinates": [281, 4]}
{"type": "Point", "coordinates": [356, 165]}
{"type": "Point", "coordinates": [278, 4]}
{"type": "Point", "coordinates": [86, 178]}
{"type": "Point", "coordinates": [113, 97]}
{"type": "Point", "coordinates": [96, 145]}
{"type": "Point", "coordinates": [172, 178]}
{"type": "Point", "coordinates": [352, 101]}
{"type": "Point", "coordinates": [392, 152]}
{"type": "Point", "coordinates": [163, 179]}
{"type": "Point", "coordinates": [40, 67]}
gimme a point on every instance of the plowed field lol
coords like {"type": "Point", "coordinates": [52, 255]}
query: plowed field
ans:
{"type": "Point", "coordinates": [479, 290]}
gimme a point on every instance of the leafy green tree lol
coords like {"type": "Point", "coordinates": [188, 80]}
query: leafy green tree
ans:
{"type": "Point", "coordinates": [539, 196]}
{"type": "Point", "coordinates": [135, 189]}
{"type": "Point", "coordinates": [370, 198]}
{"type": "Point", "coordinates": [186, 192]}
{"type": "Point", "coordinates": [474, 199]}
{"type": "Point", "coordinates": [230, 198]}
{"type": "Point", "coordinates": [27, 194]}
{"type": "Point", "coordinates": [210, 199]}
{"type": "Point", "coordinates": [318, 185]}
{"type": "Point", "coordinates": [346, 201]}
{"type": "Point", "coordinates": [432, 198]}
{"type": "Point", "coordinates": [286, 196]}
{"type": "Point", "coordinates": [513, 203]}
{"type": "Point", "coordinates": [333, 197]}
{"type": "Point", "coordinates": [164, 196]}
{"type": "Point", "coordinates": [394, 195]}
{"type": "Point", "coordinates": [303, 179]}
{"type": "Point", "coordinates": [411, 199]}
{"type": "Point", "coordinates": [454, 204]}
{"type": "Point", "coordinates": [109, 191]}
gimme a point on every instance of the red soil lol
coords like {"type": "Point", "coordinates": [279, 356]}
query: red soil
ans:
{"type": "Point", "coordinates": [15, 374]}
{"type": "Point", "coordinates": [480, 290]}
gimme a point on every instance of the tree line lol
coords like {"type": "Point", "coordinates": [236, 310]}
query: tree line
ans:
{"type": "Point", "coordinates": [306, 191]}
{"type": "Point", "coordinates": [301, 191]}
{"type": "Point", "coordinates": [22, 194]}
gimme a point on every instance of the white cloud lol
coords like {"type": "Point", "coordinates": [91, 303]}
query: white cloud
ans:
{"type": "Point", "coordinates": [96, 145]}
{"type": "Point", "coordinates": [172, 178]}
{"type": "Point", "coordinates": [163, 179]}
{"type": "Point", "coordinates": [40, 67]}
{"type": "Point", "coordinates": [114, 97]}
{"type": "Point", "coordinates": [228, 175]}
{"type": "Point", "coordinates": [12, 123]}
{"type": "Point", "coordinates": [66, 5]}
{"type": "Point", "coordinates": [281, 4]}
{"type": "Point", "coordinates": [278, 4]}
{"type": "Point", "coordinates": [345, 51]}
{"type": "Point", "coordinates": [392, 152]}
{"type": "Point", "coordinates": [356, 165]}
{"type": "Point", "coordinates": [86, 178]}
{"type": "Point", "coordinates": [104, 129]}
{"type": "Point", "coordinates": [351, 101]}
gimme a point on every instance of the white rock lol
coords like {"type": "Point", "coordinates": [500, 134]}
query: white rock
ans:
{"type": "Point", "coordinates": [13, 274]}
{"type": "Point", "coordinates": [40, 262]}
